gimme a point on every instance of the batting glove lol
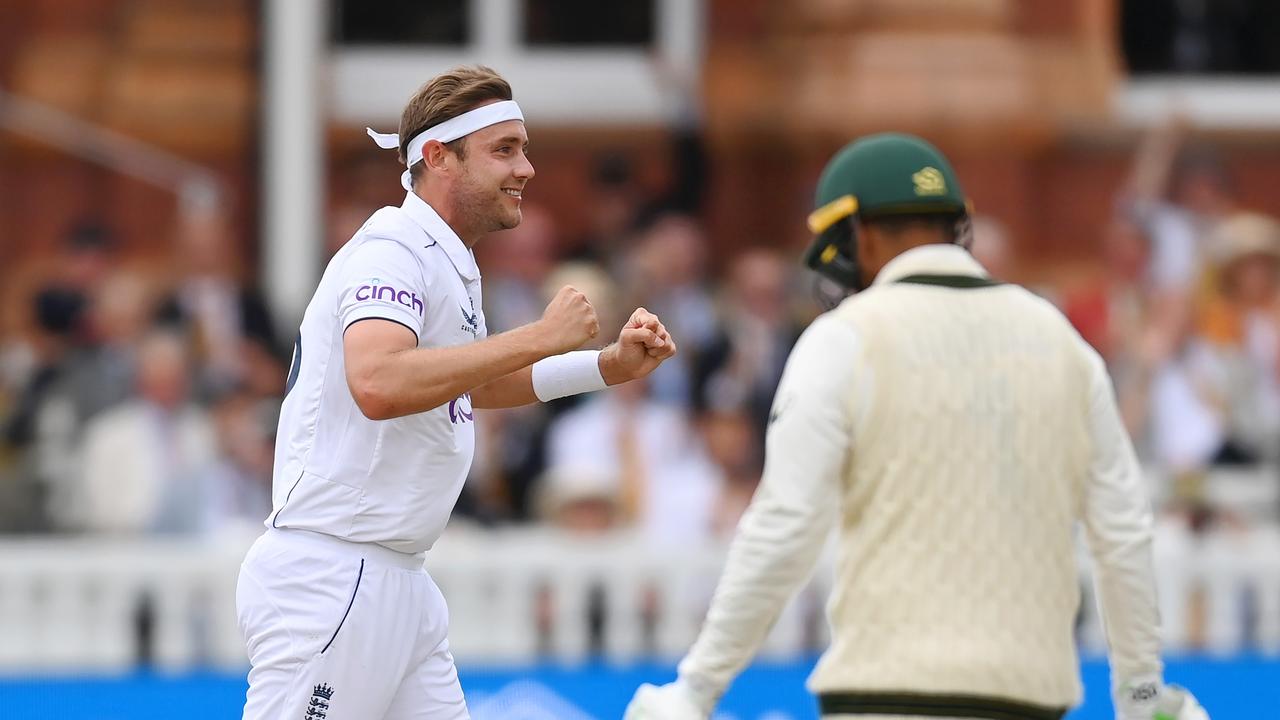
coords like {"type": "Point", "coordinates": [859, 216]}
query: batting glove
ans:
{"type": "Point", "coordinates": [1150, 699]}
{"type": "Point", "coordinates": [673, 701]}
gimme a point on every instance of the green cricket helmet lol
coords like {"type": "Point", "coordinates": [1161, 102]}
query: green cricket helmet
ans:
{"type": "Point", "coordinates": [875, 176]}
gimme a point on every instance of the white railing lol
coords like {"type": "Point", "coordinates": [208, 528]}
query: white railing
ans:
{"type": "Point", "coordinates": [516, 595]}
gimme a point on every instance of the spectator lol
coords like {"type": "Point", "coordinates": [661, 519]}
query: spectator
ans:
{"type": "Point", "coordinates": [38, 365]}
{"type": "Point", "coordinates": [37, 410]}
{"type": "Point", "coordinates": [667, 484]}
{"type": "Point", "coordinates": [511, 444]}
{"type": "Point", "coordinates": [580, 500]}
{"type": "Point", "coordinates": [594, 282]}
{"type": "Point", "coordinates": [228, 321]}
{"type": "Point", "coordinates": [119, 315]}
{"type": "Point", "coordinates": [742, 366]}
{"type": "Point", "coordinates": [730, 440]}
{"type": "Point", "coordinates": [666, 273]}
{"type": "Point", "coordinates": [88, 256]}
{"type": "Point", "coordinates": [143, 461]}
{"type": "Point", "coordinates": [517, 263]}
{"type": "Point", "coordinates": [57, 314]}
{"type": "Point", "coordinates": [237, 485]}
{"type": "Point", "coordinates": [1121, 318]}
{"type": "Point", "coordinates": [1217, 401]}
{"type": "Point", "coordinates": [1216, 404]}
{"type": "Point", "coordinates": [584, 503]}
{"type": "Point", "coordinates": [613, 203]}
{"type": "Point", "coordinates": [1240, 328]}
{"type": "Point", "coordinates": [95, 374]}
{"type": "Point", "coordinates": [1176, 193]}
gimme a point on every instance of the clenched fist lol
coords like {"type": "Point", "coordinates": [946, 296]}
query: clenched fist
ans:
{"type": "Point", "coordinates": [568, 322]}
{"type": "Point", "coordinates": [642, 346]}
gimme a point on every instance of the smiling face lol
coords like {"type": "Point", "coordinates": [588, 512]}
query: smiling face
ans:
{"type": "Point", "coordinates": [491, 176]}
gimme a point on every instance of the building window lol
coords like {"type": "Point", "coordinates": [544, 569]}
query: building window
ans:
{"type": "Point", "coordinates": [574, 61]}
{"type": "Point", "coordinates": [401, 22]}
{"type": "Point", "coordinates": [1200, 37]}
{"type": "Point", "coordinates": [589, 22]}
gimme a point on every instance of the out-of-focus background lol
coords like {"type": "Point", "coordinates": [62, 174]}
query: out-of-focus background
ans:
{"type": "Point", "coordinates": [175, 173]}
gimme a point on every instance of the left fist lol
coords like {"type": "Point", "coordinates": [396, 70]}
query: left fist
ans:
{"type": "Point", "coordinates": [643, 345]}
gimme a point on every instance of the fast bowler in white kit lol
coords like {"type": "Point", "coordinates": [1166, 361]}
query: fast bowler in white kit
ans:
{"type": "Point", "coordinates": [376, 432]}
{"type": "Point", "coordinates": [955, 430]}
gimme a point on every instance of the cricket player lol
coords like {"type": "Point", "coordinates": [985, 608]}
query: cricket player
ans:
{"type": "Point", "coordinates": [377, 427]}
{"type": "Point", "coordinates": [954, 429]}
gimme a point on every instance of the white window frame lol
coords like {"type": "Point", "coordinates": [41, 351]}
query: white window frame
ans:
{"type": "Point", "coordinates": [555, 85]}
{"type": "Point", "coordinates": [1222, 102]}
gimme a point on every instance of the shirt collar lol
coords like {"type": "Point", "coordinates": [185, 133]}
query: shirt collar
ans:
{"type": "Point", "coordinates": [464, 261]}
{"type": "Point", "coordinates": [937, 259]}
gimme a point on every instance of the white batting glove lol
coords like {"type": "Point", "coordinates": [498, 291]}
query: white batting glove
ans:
{"type": "Point", "coordinates": [673, 701]}
{"type": "Point", "coordinates": [1151, 699]}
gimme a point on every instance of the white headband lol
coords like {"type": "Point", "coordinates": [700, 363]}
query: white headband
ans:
{"type": "Point", "coordinates": [448, 131]}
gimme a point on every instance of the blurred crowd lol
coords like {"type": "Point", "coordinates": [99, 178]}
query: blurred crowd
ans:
{"type": "Point", "coordinates": [138, 399]}
{"type": "Point", "coordinates": [1186, 313]}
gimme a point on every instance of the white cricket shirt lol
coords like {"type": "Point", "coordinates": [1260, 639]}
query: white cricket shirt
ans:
{"type": "Point", "coordinates": [391, 482]}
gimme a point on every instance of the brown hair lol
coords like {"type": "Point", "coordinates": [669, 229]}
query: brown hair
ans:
{"type": "Point", "coordinates": [447, 96]}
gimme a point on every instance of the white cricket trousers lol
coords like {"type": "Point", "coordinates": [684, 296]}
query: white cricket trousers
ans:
{"type": "Point", "coordinates": [343, 631]}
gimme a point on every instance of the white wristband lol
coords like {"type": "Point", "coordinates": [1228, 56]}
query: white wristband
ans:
{"type": "Point", "coordinates": [567, 374]}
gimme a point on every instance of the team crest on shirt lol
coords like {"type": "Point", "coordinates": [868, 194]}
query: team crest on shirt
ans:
{"type": "Point", "coordinates": [471, 321]}
{"type": "Point", "coordinates": [460, 411]}
{"type": "Point", "coordinates": [318, 708]}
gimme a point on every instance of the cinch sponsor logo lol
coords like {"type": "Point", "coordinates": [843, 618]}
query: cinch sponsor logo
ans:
{"type": "Point", "coordinates": [460, 410]}
{"type": "Point", "coordinates": [390, 294]}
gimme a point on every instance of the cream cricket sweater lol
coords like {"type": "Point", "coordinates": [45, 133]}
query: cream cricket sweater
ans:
{"type": "Point", "coordinates": [954, 436]}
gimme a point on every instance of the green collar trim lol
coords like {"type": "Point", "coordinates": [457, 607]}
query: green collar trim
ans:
{"type": "Point", "coordinates": [964, 282]}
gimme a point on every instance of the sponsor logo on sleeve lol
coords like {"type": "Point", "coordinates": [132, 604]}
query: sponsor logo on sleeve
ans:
{"type": "Point", "coordinates": [377, 291]}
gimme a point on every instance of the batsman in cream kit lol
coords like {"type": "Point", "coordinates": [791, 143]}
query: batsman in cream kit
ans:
{"type": "Point", "coordinates": [377, 428]}
{"type": "Point", "coordinates": [953, 433]}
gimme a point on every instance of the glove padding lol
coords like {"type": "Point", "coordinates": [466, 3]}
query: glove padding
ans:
{"type": "Point", "coordinates": [1152, 700]}
{"type": "Point", "coordinates": [672, 701]}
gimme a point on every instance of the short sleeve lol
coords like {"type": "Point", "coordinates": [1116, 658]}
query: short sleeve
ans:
{"type": "Point", "coordinates": [383, 279]}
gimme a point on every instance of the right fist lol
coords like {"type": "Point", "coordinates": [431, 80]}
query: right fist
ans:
{"type": "Point", "coordinates": [569, 321]}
